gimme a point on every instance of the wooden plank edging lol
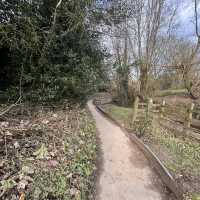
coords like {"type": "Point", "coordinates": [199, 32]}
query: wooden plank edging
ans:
{"type": "Point", "coordinates": [156, 163]}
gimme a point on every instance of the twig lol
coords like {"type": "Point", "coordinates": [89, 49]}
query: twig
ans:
{"type": "Point", "coordinates": [10, 107]}
{"type": "Point", "coordinates": [55, 13]}
{"type": "Point", "coordinates": [6, 149]}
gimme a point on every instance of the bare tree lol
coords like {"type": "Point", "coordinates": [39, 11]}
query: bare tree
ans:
{"type": "Point", "coordinates": [145, 28]}
{"type": "Point", "coordinates": [120, 46]}
{"type": "Point", "coordinates": [185, 59]}
{"type": "Point", "coordinates": [134, 37]}
{"type": "Point", "coordinates": [122, 13]}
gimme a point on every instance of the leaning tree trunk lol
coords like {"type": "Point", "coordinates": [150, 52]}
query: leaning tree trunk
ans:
{"type": "Point", "coordinates": [187, 83]}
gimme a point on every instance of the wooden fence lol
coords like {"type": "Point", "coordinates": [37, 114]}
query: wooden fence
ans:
{"type": "Point", "coordinates": [188, 116]}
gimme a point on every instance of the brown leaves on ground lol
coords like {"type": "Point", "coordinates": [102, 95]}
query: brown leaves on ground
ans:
{"type": "Point", "coordinates": [38, 141]}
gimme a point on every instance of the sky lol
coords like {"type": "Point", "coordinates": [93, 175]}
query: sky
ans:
{"type": "Point", "coordinates": [185, 18]}
{"type": "Point", "coordinates": [185, 15]}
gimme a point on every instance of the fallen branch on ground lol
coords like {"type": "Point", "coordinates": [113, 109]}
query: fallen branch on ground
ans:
{"type": "Point", "coordinates": [10, 107]}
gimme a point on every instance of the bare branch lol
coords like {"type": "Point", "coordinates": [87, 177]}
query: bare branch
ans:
{"type": "Point", "coordinates": [10, 107]}
{"type": "Point", "coordinates": [196, 18]}
{"type": "Point", "coordinates": [55, 13]}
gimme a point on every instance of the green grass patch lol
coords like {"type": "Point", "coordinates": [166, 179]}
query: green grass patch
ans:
{"type": "Point", "coordinates": [119, 113]}
{"type": "Point", "coordinates": [163, 93]}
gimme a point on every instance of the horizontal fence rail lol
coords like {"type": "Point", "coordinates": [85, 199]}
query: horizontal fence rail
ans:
{"type": "Point", "coordinates": [187, 116]}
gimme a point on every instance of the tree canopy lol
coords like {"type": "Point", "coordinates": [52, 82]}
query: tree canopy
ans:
{"type": "Point", "coordinates": [49, 49]}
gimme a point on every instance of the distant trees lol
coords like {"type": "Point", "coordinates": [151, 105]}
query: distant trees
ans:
{"type": "Point", "coordinates": [50, 46]}
{"type": "Point", "coordinates": [182, 56]}
{"type": "Point", "coordinates": [118, 18]}
{"type": "Point", "coordinates": [135, 29]}
{"type": "Point", "coordinates": [191, 70]}
{"type": "Point", "coordinates": [147, 23]}
{"type": "Point", "coordinates": [145, 47]}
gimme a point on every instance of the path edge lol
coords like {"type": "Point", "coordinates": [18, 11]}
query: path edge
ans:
{"type": "Point", "coordinates": [156, 163]}
{"type": "Point", "coordinates": [99, 162]}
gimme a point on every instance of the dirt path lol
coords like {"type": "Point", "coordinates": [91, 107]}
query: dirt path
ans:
{"type": "Point", "coordinates": [125, 173]}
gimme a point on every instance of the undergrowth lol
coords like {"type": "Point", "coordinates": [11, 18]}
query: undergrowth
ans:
{"type": "Point", "coordinates": [50, 154]}
{"type": "Point", "coordinates": [185, 151]}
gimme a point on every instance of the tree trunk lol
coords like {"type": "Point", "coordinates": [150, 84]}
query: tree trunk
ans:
{"type": "Point", "coordinates": [188, 84]}
{"type": "Point", "coordinates": [124, 93]}
{"type": "Point", "coordinates": [143, 82]}
{"type": "Point", "coordinates": [135, 108]}
{"type": "Point", "coordinates": [124, 73]}
{"type": "Point", "coordinates": [123, 81]}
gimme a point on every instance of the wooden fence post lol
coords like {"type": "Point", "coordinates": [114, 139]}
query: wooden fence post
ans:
{"type": "Point", "coordinates": [135, 108]}
{"type": "Point", "coordinates": [188, 118]}
{"type": "Point", "coordinates": [149, 106]}
{"type": "Point", "coordinates": [162, 109]}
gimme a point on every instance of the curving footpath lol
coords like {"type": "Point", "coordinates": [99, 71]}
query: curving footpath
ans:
{"type": "Point", "coordinates": [125, 174]}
